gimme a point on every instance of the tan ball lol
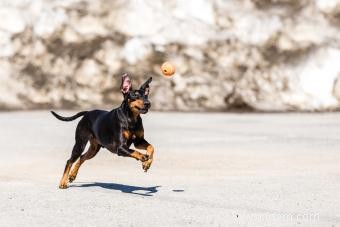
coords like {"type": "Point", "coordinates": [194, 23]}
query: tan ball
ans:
{"type": "Point", "coordinates": [168, 69]}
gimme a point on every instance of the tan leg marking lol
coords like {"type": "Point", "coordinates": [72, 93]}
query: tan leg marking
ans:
{"type": "Point", "coordinates": [75, 169]}
{"type": "Point", "coordinates": [91, 152]}
{"type": "Point", "coordinates": [139, 156]}
{"type": "Point", "coordinates": [64, 179]}
{"type": "Point", "coordinates": [149, 151]}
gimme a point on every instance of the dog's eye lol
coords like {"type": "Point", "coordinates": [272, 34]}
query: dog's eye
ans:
{"type": "Point", "coordinates": [134, 95]}
{"type": "Point", "coordinates": [137, 94]}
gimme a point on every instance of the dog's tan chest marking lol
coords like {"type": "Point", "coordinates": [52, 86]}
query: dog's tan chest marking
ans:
{"type": "Point", "coordinates": [127, 134]}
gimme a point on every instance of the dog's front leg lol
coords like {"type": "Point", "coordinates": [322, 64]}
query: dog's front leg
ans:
{"type": "Point", "coordinates": [123, 150]}
{"type": "Point", "coordinates": [143, 144]}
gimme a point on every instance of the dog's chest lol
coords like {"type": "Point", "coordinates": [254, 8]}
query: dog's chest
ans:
{"type": "Point", "coordinates": [132, 134]}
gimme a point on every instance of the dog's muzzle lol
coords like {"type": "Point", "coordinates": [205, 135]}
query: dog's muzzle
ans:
{"type": "Point", "coordinates": [146, 107]}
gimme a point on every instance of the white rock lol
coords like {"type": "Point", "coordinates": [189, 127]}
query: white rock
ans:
{"type": "Point", "coordinates": [139, 18]}
{"type": "Point", "coordinates": [15, 3]}
{"type": "Point", "coordinates": [165, 22]}
{"type": "Point", "coordinates": [201, 10]}
{"type": "Point", "coordinates": [6, 47]}
{"type": "Point", "coordinates": [180, 83]}
{"type": "Point", "coordinates": [5, 71]}
{"type": "Point", "coordinates": [11, 20]}
{"type": "Point", "coordinates": [301, 34]}
{"type": "Point", "coordinates": [49, 21]}
{"type": "Point", "coordinates": [135, 50]}
{"type": "Point", "coordinates": [9, 87]}
{"type": "Point", "coordinates": [317, 76]}
{"type": "Point", "coordinates": [336, 88]}
{"type": "Point", "coordinates": [89, 27]}
{"type": "Point", "coordinates": [70, 36]}
{"type": "Point", "coordinates": [191, 33]}
{"type": "Point", "coordinates": [38, 48]}
{"type": "Point", "coordinates": [328, 6]}
{"type": "Point", "coordinates": [256, 28]}
{"type": "Point", "coordinates": [110, 56]}
{"type": "Point", "coordinates": [194, 52]}
{"type": "Point", "coordinates": [88, 74]}
{"type": "Point", "coordinates": [86, 96]}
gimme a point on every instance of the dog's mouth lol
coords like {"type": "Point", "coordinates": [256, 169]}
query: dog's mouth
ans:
{"type": "Point", "coordinates": [142, 110]}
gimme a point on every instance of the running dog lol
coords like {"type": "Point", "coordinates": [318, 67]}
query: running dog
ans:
{"type": "Point", "coordinates": [114, 130]}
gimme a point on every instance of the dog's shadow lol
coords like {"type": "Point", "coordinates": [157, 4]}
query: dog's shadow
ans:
{"type": "Point", "coordinates": [137, 190]}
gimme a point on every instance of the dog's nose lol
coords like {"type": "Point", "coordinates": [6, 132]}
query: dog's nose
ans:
{"type": "Point", "coordinates": [147, 104]}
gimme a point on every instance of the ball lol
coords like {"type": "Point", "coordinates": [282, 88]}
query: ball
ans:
{"type": "Point", "coordinates": [168, 69]}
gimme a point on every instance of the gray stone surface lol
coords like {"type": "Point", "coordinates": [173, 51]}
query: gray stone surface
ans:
{"type": "Point", "coordinates": [209, 170]}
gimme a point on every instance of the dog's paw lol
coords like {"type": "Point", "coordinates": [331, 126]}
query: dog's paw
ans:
{"type": "Point", "coordinates": [63, 186]}
{"type": "Point", "coordinates": [147, 164]}
{"type": "Point", "coordinates": [144, 158]}
{"type": "Point", "coordinates": [71, 178]}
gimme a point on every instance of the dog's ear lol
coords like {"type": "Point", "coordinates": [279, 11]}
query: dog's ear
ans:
{"type": "Point", "coordinates": [145, 87]}
{"type": "Point", "coordinates": [126, 85]}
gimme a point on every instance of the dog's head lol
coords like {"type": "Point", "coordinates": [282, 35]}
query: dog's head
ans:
{"type": "Point", "coordinates": [137, 100]}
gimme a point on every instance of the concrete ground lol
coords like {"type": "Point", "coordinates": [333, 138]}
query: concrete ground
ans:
{"type": "Point", "coordinates": [209, 170]}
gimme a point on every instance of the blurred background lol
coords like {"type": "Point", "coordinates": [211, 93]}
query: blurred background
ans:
{"type": "Point", "coordinates": [245, 55]}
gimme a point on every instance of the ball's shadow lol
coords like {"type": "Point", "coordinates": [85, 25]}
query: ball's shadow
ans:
{"type": "Point", "coordinates": [137, 190]}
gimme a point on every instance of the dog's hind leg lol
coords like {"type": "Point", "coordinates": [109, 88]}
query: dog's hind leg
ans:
{"type": "Point", "coordinates": [91, 152]}
{"type": "Point", "coordinates": [82, 136]}
{"type": "Point", "coordinates": [76, 152]}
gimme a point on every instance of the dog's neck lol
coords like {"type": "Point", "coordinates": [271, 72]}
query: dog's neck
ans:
{"type": "Point", "coordinates": [130, 116]}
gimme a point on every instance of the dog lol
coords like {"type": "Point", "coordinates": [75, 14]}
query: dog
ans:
{"type": "Point", "coordinates": [114, 130]}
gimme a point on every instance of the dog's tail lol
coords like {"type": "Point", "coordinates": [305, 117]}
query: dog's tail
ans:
{"type": "Point", "coordinates": [69, 118]}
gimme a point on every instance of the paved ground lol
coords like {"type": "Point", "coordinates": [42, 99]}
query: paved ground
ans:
{"type": "Point", "coordinates": [209, 170]}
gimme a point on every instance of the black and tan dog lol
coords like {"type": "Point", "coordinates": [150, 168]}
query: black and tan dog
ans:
{"type": "Point", "coordinates": [114, 130]}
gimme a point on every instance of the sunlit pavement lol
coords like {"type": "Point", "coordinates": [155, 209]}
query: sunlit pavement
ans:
{"type": "Point", "coordinates": [209, 170]}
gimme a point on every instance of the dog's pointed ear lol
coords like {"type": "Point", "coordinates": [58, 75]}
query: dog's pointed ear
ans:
{"type": "Point", "coordinates": [145, 87]}
{"type": "Point", "coordinates": [126, 84]}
